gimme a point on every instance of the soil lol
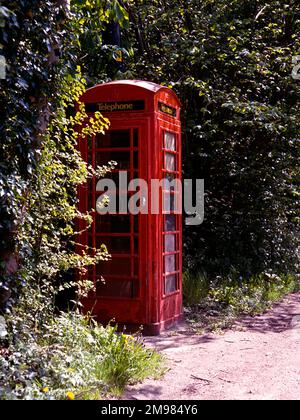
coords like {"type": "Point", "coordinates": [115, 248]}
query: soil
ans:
{"type": "Point", "coordinates": [258, 358]}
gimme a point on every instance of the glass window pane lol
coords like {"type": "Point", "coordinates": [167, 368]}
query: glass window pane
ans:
{"type": "Point", "coordinates": [170, 162]}
{"type": "Point", "coordinates": [115, 288]}
{"type": "Point", "coordinates": [120, 138]}
{"type": "Point", "coordinates": [102, 158]}
{"type": "Point", "coordinates": [170, 141]}
{"type": "Point", "coordinates": [115, 267]}
{"type": "Point", "coordinates": [125, 176]}
{"type": "Point", "coordinates": [170, 222]}
{"type": "Point", "coordinates": [122, 159]}
{"type": "Point", "coordinates": [170, 263]}
{"type": "Point", "coordinates": [169, 202]}
{"type": "Point", "coordinates": [113, 224]}
{"type": "Point", "coordinates": [115, 245]}
{"type": "Point", "coordinates": [170, 243]}
{"type": "Point", "coordinates": [102, 140]}
{"type": "Point", "coordinates": [169, 176]}
{"type": "Point", "coordinates": [115, 138]}
{"type": "Point", "coordinates": [136, 246]}
{"type": "Point", "coordinates": [170, 284]}
{"type": "Point", "coordinates": [112, 204]}
{"type": "Point", "coordinates": [115, 177]}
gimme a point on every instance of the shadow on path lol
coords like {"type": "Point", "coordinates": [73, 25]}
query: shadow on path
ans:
{"type": "Point", "coordinates": [178, 338]}
{"type": "Point", "coordinates": [211, 366]}
{"type": "Point", "coordinates": [150, 392]}
{"type": "Point", "coordinates": [277, 320]}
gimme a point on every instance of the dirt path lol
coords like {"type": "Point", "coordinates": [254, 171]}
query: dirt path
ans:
{"type": "Point", "coordinates": [258, 359]}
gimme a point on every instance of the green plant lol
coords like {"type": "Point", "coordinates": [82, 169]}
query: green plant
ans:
{"type": "Point", "coordinates": [74, 357]}
{"type": "Point", "coordinates": [230, 63]}
{"type": "Point", "coordinates": [41, 167]}
{"type": "Point", "coordinates": [222, 299]}
{"type": "Point", "coordinates": [195, 286]}
{"type": "Point", "coordinates": [125, 360]}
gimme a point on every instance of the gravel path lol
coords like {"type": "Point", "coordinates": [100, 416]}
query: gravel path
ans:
{"type": "Point", "coordinates": [258, 359]}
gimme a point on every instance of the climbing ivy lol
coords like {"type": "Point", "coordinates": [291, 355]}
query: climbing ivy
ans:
{"type": "Point", "coordinates": [40, 165]}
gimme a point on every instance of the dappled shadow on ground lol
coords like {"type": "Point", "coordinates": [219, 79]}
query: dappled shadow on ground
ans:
{"type": "Point", "coordinates": [145, 392]}
{"type": "Point", "coordinates": [179, 337]}
{"type": "Point", "coordinates": [214, 366]}
{"type": "Point", "coordinates": [276, 320]}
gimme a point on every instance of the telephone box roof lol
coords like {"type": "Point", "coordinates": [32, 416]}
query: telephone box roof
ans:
{"type": "Point", "coordinates": [153, 87]}
{"type": "Point", "coordinates": [140, 84]}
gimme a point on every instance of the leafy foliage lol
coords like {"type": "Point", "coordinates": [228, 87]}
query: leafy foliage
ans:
{"type": "Point", "coordinates": [97, 28]}
{"type": "Point", "coordinates": [75, 358]}
{"type": "Point", "coordinates": [40, 165]}
{"type": "Point", "coordinates": [215, 304]}
{"type": "Point", "coordinates": [231, 64]}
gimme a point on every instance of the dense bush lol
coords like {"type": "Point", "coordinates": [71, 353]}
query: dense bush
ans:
{"type": "Point", "coordinates": [40, 165]}
{"type": "Point", "coordinates": [216, 304]}
{"type": "Point", "coordinates": [74, 358]}
{"type": "Point", "coordinates": [231, 64]}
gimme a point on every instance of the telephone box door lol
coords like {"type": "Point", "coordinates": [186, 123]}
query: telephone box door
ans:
{"type": "Point", "coordinates": [121, 281]}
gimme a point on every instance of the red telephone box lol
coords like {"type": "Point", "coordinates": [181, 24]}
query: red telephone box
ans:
{"type": "Point", "coordinates": [143, 280]}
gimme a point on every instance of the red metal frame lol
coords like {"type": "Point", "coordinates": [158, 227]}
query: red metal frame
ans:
{"type": "Point", "coordinates": [152, 307]}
